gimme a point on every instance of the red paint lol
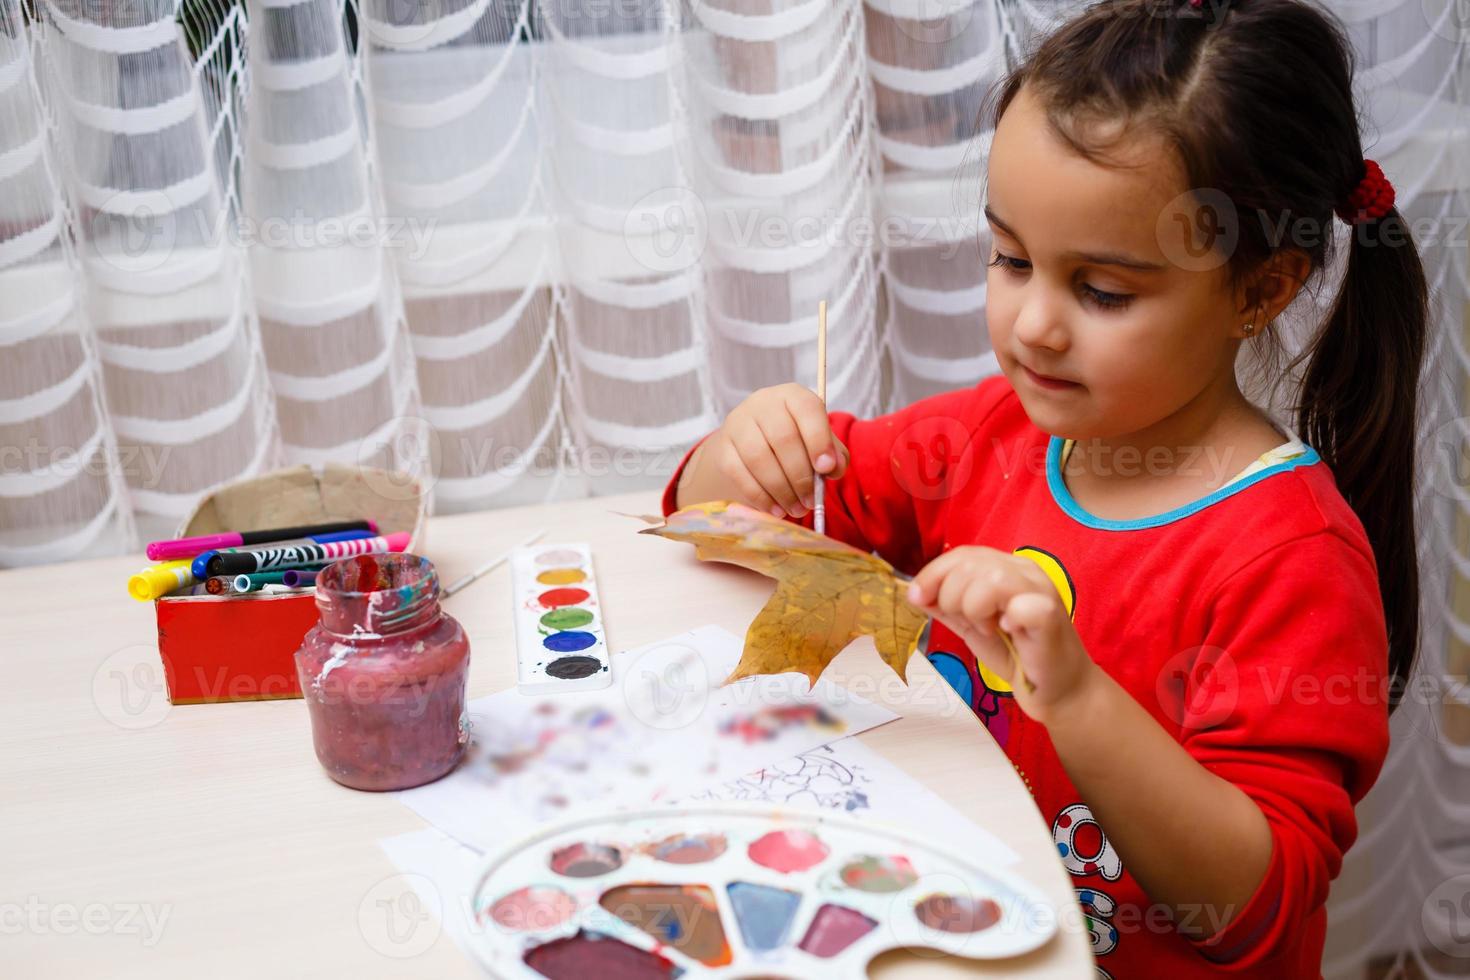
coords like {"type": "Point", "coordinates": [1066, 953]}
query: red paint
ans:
{"type": "Point", "coordinates": [788, 850]}
{"type": "Point", "coordinates": [562, 597]}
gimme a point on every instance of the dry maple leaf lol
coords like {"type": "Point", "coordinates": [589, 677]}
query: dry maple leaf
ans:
{"type": "Point", "coordinates": [828, 593]}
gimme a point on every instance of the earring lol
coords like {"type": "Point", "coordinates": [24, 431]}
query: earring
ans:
{"type": "Point", "coordinates": [1249, 329]}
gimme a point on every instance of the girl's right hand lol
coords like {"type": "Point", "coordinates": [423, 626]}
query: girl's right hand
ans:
{"type": "Point", "coordinates": [771, 449]}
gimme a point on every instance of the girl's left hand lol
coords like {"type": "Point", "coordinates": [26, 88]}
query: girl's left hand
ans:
{"type": "Point", "coordinates": [975, 591]}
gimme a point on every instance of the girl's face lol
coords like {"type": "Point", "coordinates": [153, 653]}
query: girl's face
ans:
{"type": "Point", "coordinates": [1088, 284]}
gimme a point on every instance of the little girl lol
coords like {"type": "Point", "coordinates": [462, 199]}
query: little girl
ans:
{"type": "Point", "coordinates": [1211, 612]}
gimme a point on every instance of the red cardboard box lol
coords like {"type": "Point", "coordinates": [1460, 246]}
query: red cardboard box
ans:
{"type": "Point", "coordinates": [242, 647]}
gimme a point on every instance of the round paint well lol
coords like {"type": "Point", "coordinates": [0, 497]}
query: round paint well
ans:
{"type": "Point", "coordinates": [533, 909]}
{"type": "Point", "coordinates": [687, 848]}
{"type": "Point", "coordinates": [562, 576]}
{"type": "Point", "coordinates": [788, 850]}
{"type": "Point", "coordinates": [559, 556]}
{"type": "Point", "coordinates": [586, 860]}
{"type": "Point", "coordinates": [869, 873]}
{"type": "Point", "coordinates": [957, 913]}
{"type": "Point", "coordinates": [568, 642]}
{"type": "Point", "coordinates": [562, 597]}
{"type": "Point", "coordinates": [566, 618]}
{"type": "Point", "coordinates": [573, 668]}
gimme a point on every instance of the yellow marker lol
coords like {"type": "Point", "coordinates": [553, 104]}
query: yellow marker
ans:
{"type": "Point", "coordinates": [160, 580]}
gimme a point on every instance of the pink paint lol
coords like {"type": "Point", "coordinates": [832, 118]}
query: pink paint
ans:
{"type": "Point", "coordinates": [833, 929]}
{"type": "Point", "coordinates": [533, 909]}
{"type": "Point", "coordinates": [787, 851]}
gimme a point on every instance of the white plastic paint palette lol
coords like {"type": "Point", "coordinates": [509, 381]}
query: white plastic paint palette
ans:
{"type": "Point", "coordinates": [730, 890]}
{"type": "Point", "coordinates": [560, 644]}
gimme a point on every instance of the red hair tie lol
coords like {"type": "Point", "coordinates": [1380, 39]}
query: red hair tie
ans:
{"type": "Point", "coordinates": [1370, 200]}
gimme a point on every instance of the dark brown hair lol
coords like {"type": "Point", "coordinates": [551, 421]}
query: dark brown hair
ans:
{"type": "Point", "coordinates": [1257, 101]}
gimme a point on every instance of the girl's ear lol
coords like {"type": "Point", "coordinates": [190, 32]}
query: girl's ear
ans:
{"type": "Point", "coordinates": [1274, 284]}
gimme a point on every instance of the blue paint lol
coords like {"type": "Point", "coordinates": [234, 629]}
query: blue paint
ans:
{"type": "Point", "coordinates": [1062, 850]}
{"type": "Point", "coordinates": [764, 913]}
{"type": "Point", "coordinates": [568, 641]}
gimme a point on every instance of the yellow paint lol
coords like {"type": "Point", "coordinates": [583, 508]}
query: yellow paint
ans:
{"type": "Point", "coordinates": [561, 576]}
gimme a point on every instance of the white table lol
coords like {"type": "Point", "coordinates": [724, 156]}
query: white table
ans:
{"type": "Point", "coordinates": [217, 821]}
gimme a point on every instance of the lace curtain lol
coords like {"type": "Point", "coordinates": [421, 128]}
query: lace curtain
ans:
{"type": "Point", "coordinates": [531, 249]}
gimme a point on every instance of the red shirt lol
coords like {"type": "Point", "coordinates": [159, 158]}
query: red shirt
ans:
{"type": "Point", "coordinates": [1248, 623]}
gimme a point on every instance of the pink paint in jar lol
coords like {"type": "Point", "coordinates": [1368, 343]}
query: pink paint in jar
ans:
{"type": "Point", "coordinates": [383, 673]}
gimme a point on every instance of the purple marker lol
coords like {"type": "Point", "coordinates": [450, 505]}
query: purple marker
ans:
{"type": "Point", "coordinates": [295, 577]}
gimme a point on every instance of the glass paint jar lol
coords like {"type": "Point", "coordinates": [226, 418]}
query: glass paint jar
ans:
{"type": "Point", "coordinates": [383, 674]}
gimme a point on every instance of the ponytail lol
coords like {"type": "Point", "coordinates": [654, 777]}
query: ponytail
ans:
{"type": "Point", "coordinates": [1358, 409]}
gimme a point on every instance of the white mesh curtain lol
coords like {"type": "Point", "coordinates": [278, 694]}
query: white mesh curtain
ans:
{"type": "Point", "coordinates": [534, 248]}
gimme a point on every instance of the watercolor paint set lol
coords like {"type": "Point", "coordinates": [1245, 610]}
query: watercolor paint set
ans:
{"type": "Point", "coordinates": [560, 642]}
{"type": "Point", "coordinates": [739, 890]}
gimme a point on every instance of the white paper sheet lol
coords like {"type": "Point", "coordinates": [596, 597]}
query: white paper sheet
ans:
{"type": "Point", "coordinates": [663, 729]}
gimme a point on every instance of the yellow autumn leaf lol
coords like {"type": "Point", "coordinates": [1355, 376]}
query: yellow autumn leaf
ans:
{"type": "Point", "coordinates": [828, 593]}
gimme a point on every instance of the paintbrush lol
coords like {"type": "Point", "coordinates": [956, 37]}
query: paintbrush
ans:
{"type": "Point", "coordinates": [819, 512]}
{"type": "Point", "coordinates": [464, 580]}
